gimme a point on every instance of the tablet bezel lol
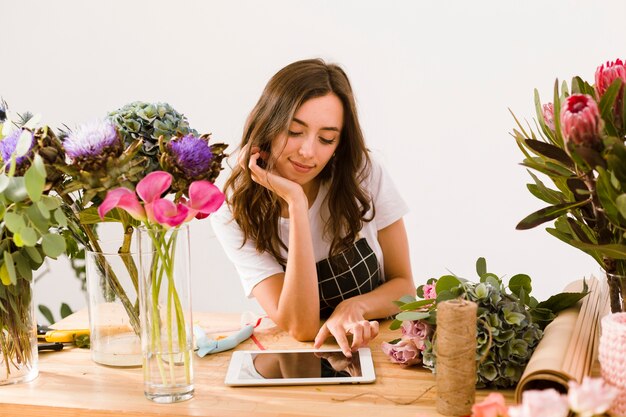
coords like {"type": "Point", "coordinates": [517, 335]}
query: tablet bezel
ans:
{"type": "Point", "coordinates": [232, 375]}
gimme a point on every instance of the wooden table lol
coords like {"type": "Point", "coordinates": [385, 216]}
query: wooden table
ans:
{"type": "Point", "coordinates": [71, 384]}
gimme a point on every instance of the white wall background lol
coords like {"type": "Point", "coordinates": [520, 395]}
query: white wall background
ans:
{"type": "Point", "coordinates": [433, 82]}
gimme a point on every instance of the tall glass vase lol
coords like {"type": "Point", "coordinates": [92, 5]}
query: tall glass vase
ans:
{"type": "Point", "coordinates": [166, 322]}
{"type": "Point", "coordinates": [113, 290]}
{"type": "Point", "coordinates": [18, 333]}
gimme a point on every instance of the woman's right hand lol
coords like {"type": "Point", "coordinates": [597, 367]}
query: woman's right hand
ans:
{"type": "Point", "coordinates": [286, 189]}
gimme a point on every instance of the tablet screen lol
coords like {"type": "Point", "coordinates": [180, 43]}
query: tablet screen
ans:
{"type": "Point", "coordinates": [290, 365]}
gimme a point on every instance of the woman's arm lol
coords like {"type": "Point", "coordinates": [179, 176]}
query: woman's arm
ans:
{"type": "Point", "coordinates": [352, 315]}
{"type": "Point", "coordinates": [291, 299]}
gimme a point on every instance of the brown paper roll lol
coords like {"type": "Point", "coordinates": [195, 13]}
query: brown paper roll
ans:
{"type": "Point", "coordinates": [455, 370]}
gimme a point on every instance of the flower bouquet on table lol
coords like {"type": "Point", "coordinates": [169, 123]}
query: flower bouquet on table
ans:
{"type": "Point", "coordinates": [578, 143]}
{"type": "Point", "coordinates": [510, 323]}
{"type": "Point", "coordinates": [121, 150]}
{"type": "Point", "coordinates": [31, 223]}
{"type": "Point", "coordinates": [164, 285]}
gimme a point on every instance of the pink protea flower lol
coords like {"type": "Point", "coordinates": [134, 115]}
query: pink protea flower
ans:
{"type": "Point", "coordinates": [545, 403]}
{"type": "Point", "coordinates": [592, 397]}
{"type": "Point", "coordinates": [548, 115]}
{"type": "Point", "coordinates": [429, 292]}
{"type": "Point", "coordinates": [605, 75]}
{"type": "Point", "coordinates": [404, 352]}
{"type": "Point", "coordinates": [417, 331]}
{"type": "Point", "coordinates": [580, 121]}
{"type": "Point", "coordinates": [492, 406]}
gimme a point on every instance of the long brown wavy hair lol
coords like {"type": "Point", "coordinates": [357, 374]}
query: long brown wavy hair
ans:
{"type": "Point", "coordinates": [255, 208]}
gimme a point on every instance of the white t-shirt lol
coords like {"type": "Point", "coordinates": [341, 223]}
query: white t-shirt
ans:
{"type": "Point", "coordinates": [253, 267]}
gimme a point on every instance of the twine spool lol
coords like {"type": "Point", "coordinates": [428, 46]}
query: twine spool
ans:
{"type": "Point", "coordinates": [456, 357]}
{"type": "Point", "coordinates": [612, 357]}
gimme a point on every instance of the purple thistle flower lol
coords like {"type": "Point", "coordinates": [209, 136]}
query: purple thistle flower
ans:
{"type": "Point", "coordinates": [91, 140]}
{"type": "Point", "coordinates": [192, 155]}
{"type": "Point", "coordinates": [9, 143]}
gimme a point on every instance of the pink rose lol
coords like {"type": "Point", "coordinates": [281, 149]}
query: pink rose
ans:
{"type": "Point", "coordinates": [548, 115]}
{"type": "Point", "coordinates": [404, 352]}
{"type": "Point", "coordinates": [606, 75]}
{"type": "Point", "coordinates": [580, 121]}
{"type": "Point", "coordinates": [492, 406]}
{"type": "Point", "coordinates": [546, 403]}
{"type": "Point", "coordinates": [429, 292]}
{"type": "Point", "coordinates": [417, 331]}
{"type": "Point", "coordinates": [591, 397]}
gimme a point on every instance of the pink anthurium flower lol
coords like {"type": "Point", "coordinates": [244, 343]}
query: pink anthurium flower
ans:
{"type": "Point", "coordinates": [204, 199]}
{"type": "Point", "coordinates": [169, 214]}
{"type": "Point", "coordinates": [124, 199]}
{"type": "Point", "coordinates": [151, 188]}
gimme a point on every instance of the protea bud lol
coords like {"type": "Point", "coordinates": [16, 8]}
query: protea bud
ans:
{"type": "Point", "coordinates": [581, 122]}
{"type": "Point", "coordinates": [191, 158]}
{"type": "Point", "coordinates": [7, 148]}
{"type": "Point", "coordinates": [605, 75]}
{"type": "Point", "coordinates": [90, 145]}
{"type": "Point", "coordinates": [548, 115]}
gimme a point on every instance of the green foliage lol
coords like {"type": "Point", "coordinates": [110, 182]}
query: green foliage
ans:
{"type": "Point", "coordinates": [510, 322]}
{"type": "Point", "coordinates": [588, 199]}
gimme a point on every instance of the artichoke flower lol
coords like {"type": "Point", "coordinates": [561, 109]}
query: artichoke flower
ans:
{"type": "Point", "coordinates": [7, 148]}
{"type": "Point", "coordinates": [99, 162]}
{"type": "Point", "coordinates": [148, 122]}
{"type": "Point", "coordinates": [190, 158]}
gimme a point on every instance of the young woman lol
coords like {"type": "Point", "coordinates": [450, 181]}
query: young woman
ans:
{"type": "Point", "coordinates": [313, 225]}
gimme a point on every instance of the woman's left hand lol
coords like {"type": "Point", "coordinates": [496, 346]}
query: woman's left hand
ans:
{"type": "Point", "coordinates": [347, 319]}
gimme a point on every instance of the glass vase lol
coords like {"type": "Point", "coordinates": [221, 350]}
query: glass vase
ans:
{"type": "Point", "coordinates": [166, 321]}
{"type": "Point", "coordinates": [617, 291]}
{"type": "Point", "coordinates": [113, 302]}
{"type": "Point", "coordinates": [18, 333]}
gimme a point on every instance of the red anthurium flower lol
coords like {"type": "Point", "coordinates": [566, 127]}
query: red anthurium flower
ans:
{"type": "Point", "coordinates": [168, 213]}
{"type": "Point", "coordinates": [204, 199]}
{"type": "Point", "coordinates": [124, 199]}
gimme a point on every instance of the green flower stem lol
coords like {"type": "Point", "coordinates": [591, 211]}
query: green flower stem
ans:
{"type": "Point", "coordinates": [131, 310]}
{"type": "Point", "coordinates": [163, 264]}
{"type": "Point", "coordinates": [16, 327]}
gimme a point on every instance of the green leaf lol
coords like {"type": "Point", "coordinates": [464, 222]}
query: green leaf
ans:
{"type": "Point", "coordinates": [91, 216]}
{"type": "Point", "coordinates": [65, 310]}
{"type": "Point", "coordinates": [550, 151]}
{"type": "Point", "coordinates": [412, 315]}
{"type": "Point", "coordinates": [23, 267]}
{"type": "Point", "coordinates": [60, 218]}
{"type": "Point", "coordinates": [35, 182]}
{"type": "Point", "coordinates": [14, 222]}
{"type": "Point", "coordinates": [556, 103]}
{"type": "Point", "coordinates": [53, 245]}
{"type": "Point", "coordinates": [481, 266]}
{"type": "Point", "coordinates": [16, 191]}
{"type": "Point", "coordinates": [608, 99]}
{"type": "Point", "coordinates": [395, 325]}
{"type": "Point", "coordinates": [620, 202]}
{"type": "Point", "coordinates": [544, 193]}
{"type": "Point", "coordinates": [34, 254]}
{"type": "Point", "coordinates": [23, 143]}
{"type": "Point", "coordinates": [45, 311]}
{"type": "Point", "coordinates": [51, 202]}
{"type": "Point", "coordinates": [612, 250]}
{"type": "Point", "coordinates": [520, 284]}
{"type": "Point", "coordinates": [10, 267]}
{"type": "Point", "coordinates": [416, 304]}
{"type": "Point", "coordinates": [446, 283]}
{"type": "Point", "coordinates": [547, 214]}
{"type": "Point", "coordinates": [561, 301]}
{"type": "Point", "coordinates": [4, 182]}
{"type": "Point", "coordinates": [43, 209]}
{"type": "Point", "coordinates": [29, 236]}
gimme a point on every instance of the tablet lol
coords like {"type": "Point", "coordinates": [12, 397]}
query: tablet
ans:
{"type": "Point", "coordinates": [299, 367]}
